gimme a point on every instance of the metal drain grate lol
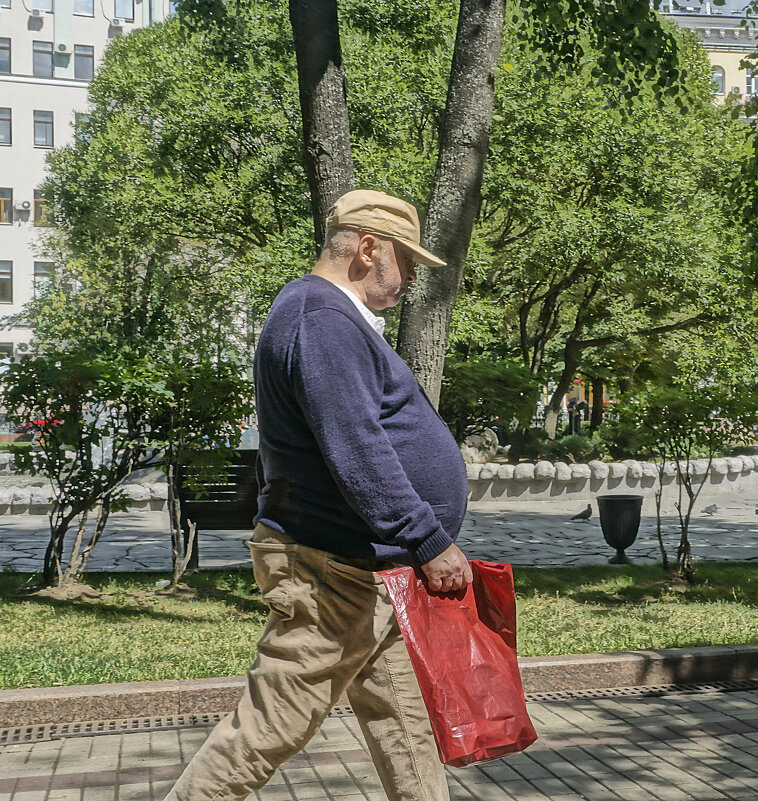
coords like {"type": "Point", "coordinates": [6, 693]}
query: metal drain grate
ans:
{"type": "Point", "coordinates": [646, 691]}
{"type": "Point", "coordinates": [92, 728]}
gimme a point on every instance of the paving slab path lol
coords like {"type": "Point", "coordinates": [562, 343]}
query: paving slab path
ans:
{"type": "Point", "coordinates": [520, 532]}
{"type": "Point", "coordinates": [672, 747]}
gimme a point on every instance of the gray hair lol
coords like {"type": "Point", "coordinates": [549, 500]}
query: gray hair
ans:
{"type": "Point", "coordinates": [341, 243]}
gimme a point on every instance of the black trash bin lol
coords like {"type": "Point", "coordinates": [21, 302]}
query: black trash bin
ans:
{"type": "Point", "coordinates": [620, 521]}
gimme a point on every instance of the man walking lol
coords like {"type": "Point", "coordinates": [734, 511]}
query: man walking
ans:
{"type": "Point", "coordinates": [359, 473]}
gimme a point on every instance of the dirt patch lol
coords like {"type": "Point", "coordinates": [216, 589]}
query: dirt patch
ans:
{"type": "Point", "coordinates": [71, 592]}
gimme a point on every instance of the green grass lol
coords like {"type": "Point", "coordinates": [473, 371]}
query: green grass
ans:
{"type": "Point", "coordinates": [597, 608]}
{"type": "Point", "coordinates": [15, 446]}
{"type": "Point", "coordinates": [132, 632]}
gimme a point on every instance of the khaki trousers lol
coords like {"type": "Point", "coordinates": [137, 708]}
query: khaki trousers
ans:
{"type": "Point", "coordinates": [331, 629]}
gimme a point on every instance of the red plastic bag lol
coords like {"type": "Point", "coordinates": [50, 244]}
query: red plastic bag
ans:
{"type": "Point", "coordinates": [463, 649]}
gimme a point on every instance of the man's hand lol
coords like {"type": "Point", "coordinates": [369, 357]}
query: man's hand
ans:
{"type": "Point", "coordinates": [449, 571]}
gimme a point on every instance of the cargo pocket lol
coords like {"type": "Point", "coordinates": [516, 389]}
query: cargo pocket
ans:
{"type": "Point", "coordinates": [356, 574]}
{"type": "Point", "coordinates": [274, 571]}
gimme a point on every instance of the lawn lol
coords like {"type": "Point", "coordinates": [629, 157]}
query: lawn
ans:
{"type": "Point", "coordinates": [130, 631]}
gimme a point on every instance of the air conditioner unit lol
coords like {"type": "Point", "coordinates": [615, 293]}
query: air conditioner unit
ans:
{"type": "Point", "coordinates": [63, 49]}
{"type": "Point", "coordinates": [36, 12]}
{"type": "Point", "coordinates": [118, 22]}
{"type": "Point", "coordinates": [23, 205]}
{"type": "Point", "coordinates": [22, 347]}
{"type": "Point", "coordinates": [736, 90]}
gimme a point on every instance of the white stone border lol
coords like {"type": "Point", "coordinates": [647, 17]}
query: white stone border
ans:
{"type": "Point", "coordinates": [549, 480]}
{"type": "Point", "coordinates": [38, 500]}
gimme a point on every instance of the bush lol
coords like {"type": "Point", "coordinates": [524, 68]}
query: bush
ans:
{"type": "Point", "coordinates": [578, 448]}
{"type": "Point", "coordinates": [15, 447]}
{"type": "Point", "coordinates": [482, 390]}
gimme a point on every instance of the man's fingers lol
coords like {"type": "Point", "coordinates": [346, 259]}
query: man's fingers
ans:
{"type": "Point", "coordinates": [468, 575]}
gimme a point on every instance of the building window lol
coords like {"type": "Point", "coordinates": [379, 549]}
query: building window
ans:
{"type": "Point", "coordinates": [43, 128]}
{"type": "Point", "coordinates": [6, 282]}
{"type": "Point", "coordinates": [752, 82]}
{"type": "Point", "coordinates": [172, 6]}
{"type": "Point", "coordinates": [84, 62]}
{"type": "Point", "coordinates": [42, 270]}
{"type": "Point", "coordinates": [80, 121]}
{"type": "Point", "coordinates": [124, 9]}
{"type": "Point", "coordinates": [42, 60]}
{"type": "Point", "coordinates": [84, 8]}
{"type": "Point", "coordinates": [5, 3]}
{"type": "Point", "coordinates": [40, 210]}
{"type": "Point", "coordinates": [6, 205]}
{"type": "Point", "coordinates": [6, 133]}
{"type": "Point", "coordinates": [5, 55]}
{"type": "Point", "coordinates": [719, 80]}
{"type": "Point", "coordinates": [43, 5]}
{"type": "Point", "coordinates": [6, 354]}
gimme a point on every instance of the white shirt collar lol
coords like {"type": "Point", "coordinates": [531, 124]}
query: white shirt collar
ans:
{"type": "Point", "coordinates": [377, 323]}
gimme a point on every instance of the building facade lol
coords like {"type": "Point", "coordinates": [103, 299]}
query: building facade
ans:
{"type": "Point", "coordinates": [49, 50]}
{"type": "Point", "coordinates": [726, 40]}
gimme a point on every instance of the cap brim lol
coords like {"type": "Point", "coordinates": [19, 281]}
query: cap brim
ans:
{"type": "Point", "coordinates": [421, 255]}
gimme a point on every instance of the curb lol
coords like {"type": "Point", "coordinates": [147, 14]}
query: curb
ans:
{"type": "Point", "coordinates": [539, 674]}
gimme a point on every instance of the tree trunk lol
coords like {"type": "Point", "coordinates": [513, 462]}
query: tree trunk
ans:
{"type": "Point", "coordinates": [323, 104]}
{"type": "Point", "coordinates": [456, 192]}
{"type": "Point", "coordinates": [598, 391]}
{"type": "Point", "coordinates": [571, 354]}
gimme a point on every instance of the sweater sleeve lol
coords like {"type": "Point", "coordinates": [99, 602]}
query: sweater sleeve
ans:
{"type": "Point", "coordinates": [338, 377]}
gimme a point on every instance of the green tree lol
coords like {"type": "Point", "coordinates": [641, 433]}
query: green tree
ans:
{"type": "Point", "coordinates": [685, 422]}
{"type": "Point", "coordinates": [607, 230]}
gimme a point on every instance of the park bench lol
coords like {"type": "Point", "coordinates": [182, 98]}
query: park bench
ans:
{"type": "Point", "coordinates": [226, 506]}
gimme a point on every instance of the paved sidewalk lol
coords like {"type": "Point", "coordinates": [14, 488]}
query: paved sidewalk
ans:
{"type": "Point", "coordinates": [676, 747]}
{"type": "Point", "coordinates": [520, 532]}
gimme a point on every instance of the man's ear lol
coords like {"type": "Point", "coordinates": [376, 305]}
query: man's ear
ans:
{"type": "Point", "coordinates": [368, 246]}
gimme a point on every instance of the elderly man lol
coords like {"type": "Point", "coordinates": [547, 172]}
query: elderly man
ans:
{"type": "Point", "coordinates": [359, 473]}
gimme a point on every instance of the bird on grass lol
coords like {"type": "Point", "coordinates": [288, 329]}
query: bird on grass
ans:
{"type": "Point", "coordinates": [710, 510]}
{"type": "Point", "coordinates": [585, 515]}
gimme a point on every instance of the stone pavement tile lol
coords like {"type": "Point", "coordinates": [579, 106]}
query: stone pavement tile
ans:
{"type": "Point", "coordinates": [551, 787]}
{"type": "Point", "coordinates": [499, 771]}
{"type": "Point", "coordinates": [458, 792]}
{"type": "Point", "coordinates": [134, 792]}
{"type": "Point", "coordinates": [29, 795]}
{"type": "Point", "coordinates": [627, 789]}
{"type": "Point", "coordinates": [469, 776]}
{"type": "Point", "coordinates": [487, 791]}
{"type": "Point", "coordinates": [669, 792]}
{"type": "Point", "coordinates": [590, 788]}
{"type": "Point", "coordinates": [532, 771]}
{"type": "Point", "coordinates": [299, 775]}
{"type": "Point", "coordinates": [308, 790]}
{"type": "Point", "coordinates": [561, 769]}
{"type": "Point", "coordinates": [703, 793]}
{"type": "Point", "coordinates": [269, 793]}
{"type": "Point", "coordinates": [158, 790]}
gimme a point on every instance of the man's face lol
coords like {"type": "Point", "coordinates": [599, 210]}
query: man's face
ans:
{"type": "Point", "coordinates": [393, 271]}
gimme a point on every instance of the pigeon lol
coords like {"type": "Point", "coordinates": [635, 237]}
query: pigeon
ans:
{"type": "Point", "coordinates": [710, 510]}
{"type": "Point", "coordinates": [585, 515]}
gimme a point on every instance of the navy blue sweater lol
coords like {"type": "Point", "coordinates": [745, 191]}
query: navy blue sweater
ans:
{"type": "Point", "coordinates": [356, 460]}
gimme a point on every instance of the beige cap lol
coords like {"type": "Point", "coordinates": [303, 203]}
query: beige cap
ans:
{"type": "Point", "coordinates": [383, 215]}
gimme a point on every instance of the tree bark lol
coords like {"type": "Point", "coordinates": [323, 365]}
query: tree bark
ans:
{"type": "Point", "coordinates": [571, 355]}
{"type": "Point", "coordinates": [596, 419]}
{"type": "Point", "coordinates": [456, 192]}
{"type": "Point", "coordinates": [323, 104]}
